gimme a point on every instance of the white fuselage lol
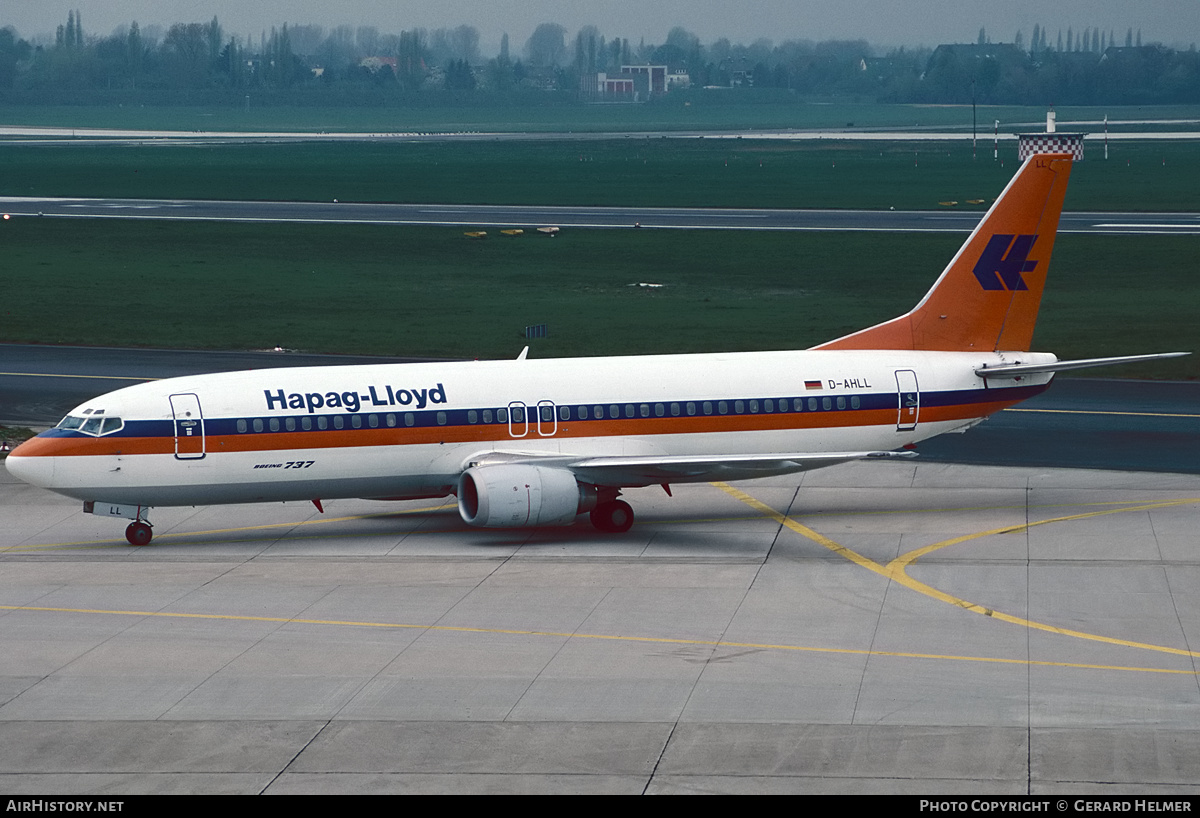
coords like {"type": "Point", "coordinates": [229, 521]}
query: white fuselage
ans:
{"type": "Point", "coordinates": [410, 430]}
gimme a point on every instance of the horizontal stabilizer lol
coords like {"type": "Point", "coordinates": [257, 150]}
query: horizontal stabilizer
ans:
{"type": "Point", "coordinates": [1013, 370]}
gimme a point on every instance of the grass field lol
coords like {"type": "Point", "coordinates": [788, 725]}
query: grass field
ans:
{"type": "Point", "coordinates": [696, 110]}
{"type": "Point", "coordinates": [431, 292]}
{"type": "Point", "coordinates": [633, 171]}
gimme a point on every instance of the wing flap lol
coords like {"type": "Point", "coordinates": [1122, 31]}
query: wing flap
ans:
{"type": "Point", "coordinates": [650, 470]}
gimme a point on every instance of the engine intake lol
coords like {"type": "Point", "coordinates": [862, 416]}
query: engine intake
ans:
{"type": "Point", "coordinates": [517, 496]}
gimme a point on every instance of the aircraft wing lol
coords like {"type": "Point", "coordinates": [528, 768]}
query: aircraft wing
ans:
{"type": "Point", "coordinates": [647, 470]}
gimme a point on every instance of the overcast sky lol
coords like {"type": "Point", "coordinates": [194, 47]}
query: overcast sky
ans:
{"type": "Point", "coordinates": [915, 22]}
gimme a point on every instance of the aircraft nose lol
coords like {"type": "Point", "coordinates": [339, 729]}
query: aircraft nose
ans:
{"type": "Point", "coordinates": [36, 470]}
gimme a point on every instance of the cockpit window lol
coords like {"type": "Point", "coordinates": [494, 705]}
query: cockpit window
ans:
{"type": "Point", "coordinates": [95, 425]}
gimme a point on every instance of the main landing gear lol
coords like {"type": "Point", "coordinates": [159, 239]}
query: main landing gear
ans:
{"type": "Point", "coordinates": [614, 517]}
{"type": "Point", "coordinates": [138, 533]}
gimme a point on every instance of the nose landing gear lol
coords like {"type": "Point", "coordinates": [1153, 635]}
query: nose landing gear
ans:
{"type": "Point", "coordinates": [138, 533]}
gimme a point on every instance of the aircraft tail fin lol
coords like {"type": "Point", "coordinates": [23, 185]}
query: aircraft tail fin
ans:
{"type": "Point", "coordinates": [987, 298]}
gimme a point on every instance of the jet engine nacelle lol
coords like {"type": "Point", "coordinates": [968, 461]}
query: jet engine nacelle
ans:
{"type": "Point", "coordinates": [516, 496]}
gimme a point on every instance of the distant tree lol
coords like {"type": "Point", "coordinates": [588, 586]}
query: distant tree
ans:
{"type": "Point", "coordinates": [13, 51]}
{"type": "Point", "coordinates": [585, 52]}
{"type": "Point", "coordinates": [464, 41]}
{"type": "Point", "coordinates": [683, 39]}
{"type": "Point", "coordinates": [410, 59]}
{"type": "Point", "coordinates": [213, 34]}
{"type": "Point", "coordinates": [1129, 38]}
{"type": "Point", "coordinates": [281, 68]}
{"type": "Point", "coordinates": [307, 39]}
{"type": "Point", "coordinates": [135, 53]}
{"type": "Point", "coordinates": [366, 38]}
{"type": "Point", "coordinates": [675, 59]}
{"type": "Point", "coordinates": [547, 46]}
{"type": "Point", "coordinates": [185, 55]}
{"type": "Point", "coordinates": [459, 76]}
{"type": "Point", "coordinates": [231, 64]}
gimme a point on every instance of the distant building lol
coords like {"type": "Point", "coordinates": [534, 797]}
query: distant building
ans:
{"type": "Point", "coordinates": [649, 78]}
{"type": "Point", "coordinates": [375, 64]}
{"type": "Point", "coordinates": [678, 79]}
{"type": "Point", "coordinates": [635, 83]}
{"type": "Point", "coordinates": [616, 87]}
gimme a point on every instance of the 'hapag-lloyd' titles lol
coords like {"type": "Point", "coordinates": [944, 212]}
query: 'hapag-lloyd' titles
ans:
{"type": "Point", "coordinates": [354, 401]}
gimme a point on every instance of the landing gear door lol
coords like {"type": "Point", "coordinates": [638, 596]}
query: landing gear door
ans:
{"type": "Point", "coordinates": [910, 400]}
{"type": "Point", "coordinates": [189, 427]}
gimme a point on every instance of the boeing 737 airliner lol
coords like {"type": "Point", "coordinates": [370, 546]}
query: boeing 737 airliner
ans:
{"type": "Point", "coordinates": [538, 442]}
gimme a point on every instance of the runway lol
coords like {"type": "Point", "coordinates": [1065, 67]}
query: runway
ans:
{"type": "Point", "coordinates": [918, 627]}
{"type": "Point", "coordinates": [947, 221]}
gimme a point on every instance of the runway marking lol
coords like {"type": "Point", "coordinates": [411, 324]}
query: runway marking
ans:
{"type": "Point", "coordinates": [200, 535]}
{"type": "Point", "coordinates": [93, 377]}
{"type": "Point", "coordinates": [658, 640]}
{"type": "Point", "coordinates": [896, 569]}
{"type": "Point", "coordinates": [491, 223]}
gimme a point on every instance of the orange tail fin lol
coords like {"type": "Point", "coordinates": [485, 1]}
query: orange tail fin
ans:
{"type": "Point", "coordinates": [987, 298]}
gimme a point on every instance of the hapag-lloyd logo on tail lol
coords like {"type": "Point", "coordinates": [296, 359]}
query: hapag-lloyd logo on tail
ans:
{"type": "Point", "coordinates": [1003, 261]}
{"type": "Point", "coordinates": [353, 401]}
